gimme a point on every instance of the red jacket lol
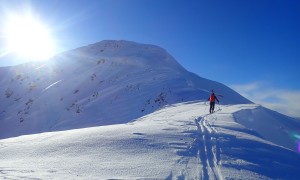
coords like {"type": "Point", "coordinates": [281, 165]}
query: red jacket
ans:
{"type": "Point", "coordinates": [212, 98]}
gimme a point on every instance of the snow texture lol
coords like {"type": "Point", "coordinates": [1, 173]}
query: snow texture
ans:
{"type": "Point", "coordinates": [123, 110]}
{"type": "Point", "coordinates": [180, 141]}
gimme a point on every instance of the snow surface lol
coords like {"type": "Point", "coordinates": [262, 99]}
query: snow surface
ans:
{"type": "Point", "coordinates": [180, 141]}
{"type": "Point", "coordinates": [123, 110]}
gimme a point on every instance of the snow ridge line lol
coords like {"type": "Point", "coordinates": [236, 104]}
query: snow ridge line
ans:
{"type": "Point", "coordinates": [209, 150]}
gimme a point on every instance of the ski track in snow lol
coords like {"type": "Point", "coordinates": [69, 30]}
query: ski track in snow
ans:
{"type": "Point", "coordinates": [209, 151]}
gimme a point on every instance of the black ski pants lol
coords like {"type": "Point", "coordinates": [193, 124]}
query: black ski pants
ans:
{"type": "Point", "coordinates": [212, 107]}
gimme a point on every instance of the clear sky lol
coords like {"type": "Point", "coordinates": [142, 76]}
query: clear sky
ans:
{"type": "Point", "coordinates": [252, 46]}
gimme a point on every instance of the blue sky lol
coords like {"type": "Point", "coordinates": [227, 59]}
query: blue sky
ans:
{"type": "Point", "coordinates": [252, 46]}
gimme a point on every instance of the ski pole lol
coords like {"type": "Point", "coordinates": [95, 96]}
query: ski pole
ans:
{"type": "Point", "coordinates": [205, 103]}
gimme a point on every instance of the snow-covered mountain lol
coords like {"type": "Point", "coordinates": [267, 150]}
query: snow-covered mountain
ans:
{"type": "Point", "coordinates": [109, 82]}
{"type": "Point", "coordinates": [123, 110]}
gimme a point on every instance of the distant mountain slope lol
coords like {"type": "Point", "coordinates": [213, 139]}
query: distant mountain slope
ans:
{"type": "Point", "coordinates": [109, 82]}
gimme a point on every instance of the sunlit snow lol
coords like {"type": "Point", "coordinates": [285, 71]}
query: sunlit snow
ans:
{"type": "Point", "coordinates": [123, 110]}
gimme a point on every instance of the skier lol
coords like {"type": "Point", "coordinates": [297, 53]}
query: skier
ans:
{"type": "Point", "coordinates": [212, 98]}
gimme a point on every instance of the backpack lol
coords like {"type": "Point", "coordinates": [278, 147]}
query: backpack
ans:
{"type": "Point", "coordinates": [212, 97]}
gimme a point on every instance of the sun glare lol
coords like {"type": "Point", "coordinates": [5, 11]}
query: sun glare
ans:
{"type": "Point", "coordinates": [28, 38]}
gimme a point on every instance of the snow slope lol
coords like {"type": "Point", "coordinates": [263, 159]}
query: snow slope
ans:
{"type": "Point", "coordinates": [179, 141]}
{"type": "Point", "coordinates": [110, 82]}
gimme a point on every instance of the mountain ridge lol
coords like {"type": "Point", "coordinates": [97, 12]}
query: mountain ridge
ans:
{"type": "Point", "coordinates": [109, 82]}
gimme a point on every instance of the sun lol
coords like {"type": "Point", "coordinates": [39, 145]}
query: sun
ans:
{"type": "Point", "coordinates": [28, 38]}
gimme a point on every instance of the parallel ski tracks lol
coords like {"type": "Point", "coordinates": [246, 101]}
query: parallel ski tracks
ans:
{"type": "Point", "coordinates": [209, 150]}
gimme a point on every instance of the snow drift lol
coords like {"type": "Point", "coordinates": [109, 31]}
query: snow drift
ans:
{"type": "Point", "coordinates": [181, 141]}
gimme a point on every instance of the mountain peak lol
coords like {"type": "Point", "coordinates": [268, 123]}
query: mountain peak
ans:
{"type": "Point", "coordinates": [150, 55]}
{"type": "Point", "coordinates": [109, 82]}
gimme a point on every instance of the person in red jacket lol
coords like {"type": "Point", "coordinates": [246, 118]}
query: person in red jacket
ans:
{"type": "Point", "coordinates": [212, 98]}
